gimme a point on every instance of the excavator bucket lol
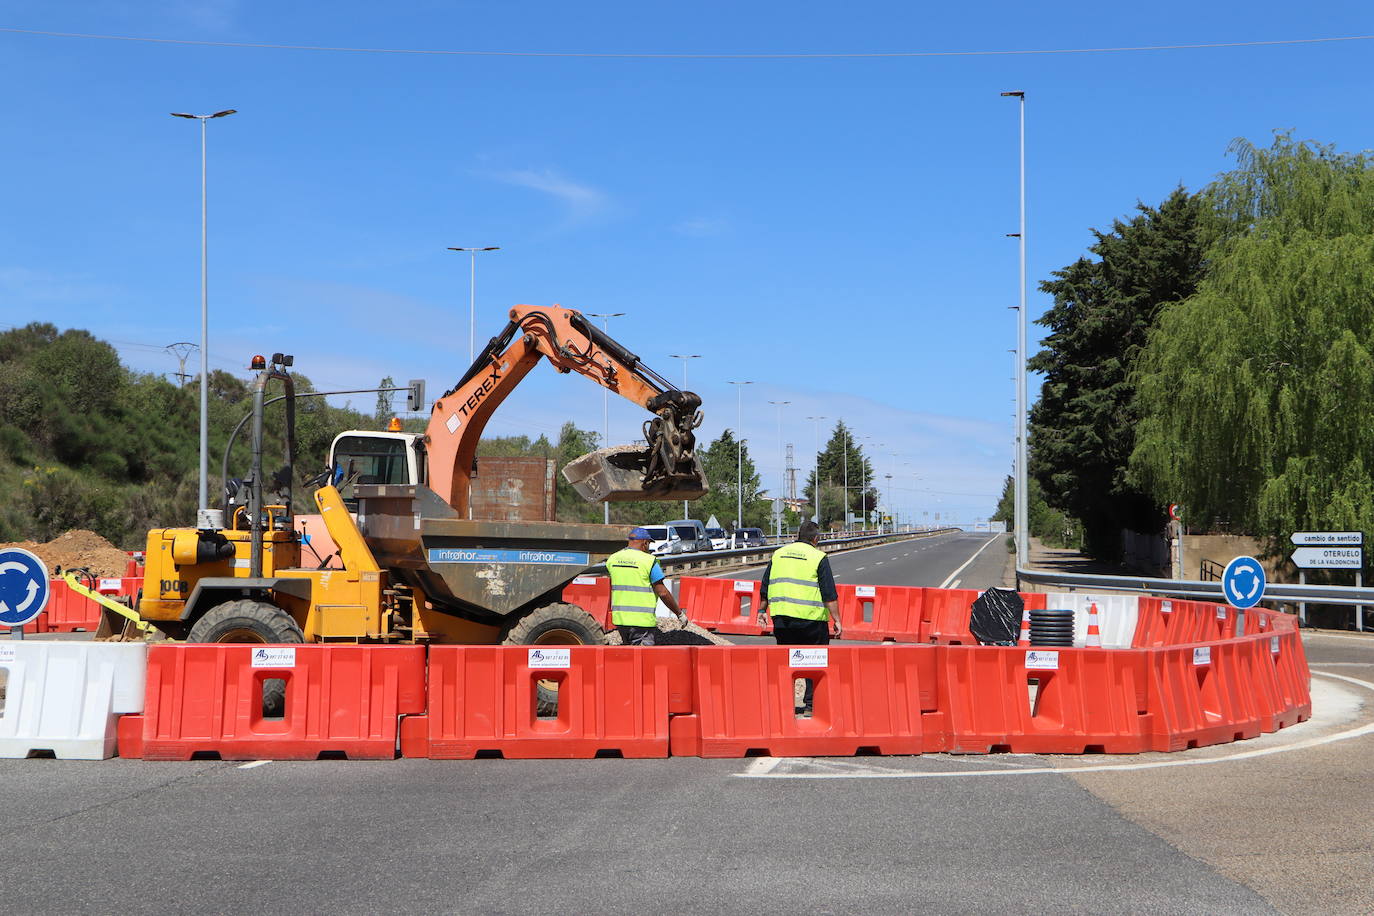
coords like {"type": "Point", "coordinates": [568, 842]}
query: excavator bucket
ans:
{"type": "Point", "coordinates": [619, 474]}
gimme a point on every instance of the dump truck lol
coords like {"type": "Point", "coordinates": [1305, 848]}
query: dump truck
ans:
{"type": "Point", "coordinates": [411, 565]}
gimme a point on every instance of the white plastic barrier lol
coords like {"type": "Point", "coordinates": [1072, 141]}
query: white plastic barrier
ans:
{"type": "Point", "coordinates": [1116, 616]}
{"type": "Point", "coordinates": [64, 698]}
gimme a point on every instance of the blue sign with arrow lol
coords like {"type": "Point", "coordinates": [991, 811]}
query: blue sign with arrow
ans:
{"type": "Point", "coordinates": [1243, 582]}
{"type": "Point", "coordinates": [23, 587]}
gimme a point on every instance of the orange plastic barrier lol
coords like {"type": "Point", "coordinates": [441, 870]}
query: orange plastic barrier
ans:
{"type": "Point", "coordinates": [868, 699]}
{"type": "Point", "coordinates": [593, 595]}
{"type": "Point", "coordinates": [1205, 696]}
{"type": "Point", "coordinates": [722, 605]}
{"type": "Point", "coordinates": [612, 701]}
{"type": "Point", "coordinates": [207, 699]}
{"type": "Point", "coordinates": [1046, 701]}
{"type": "Point", "coordinates": [886, 612]}
{"type": "Point", "coordinates": [945, 616]}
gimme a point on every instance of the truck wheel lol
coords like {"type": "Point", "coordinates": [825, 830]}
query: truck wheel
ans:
{"type": "Point", "coordinates": [251, 621]}
{"type": "Point", "coordinates": [246, 620]}
{"type": "Point", "coordinates": [554, 625]}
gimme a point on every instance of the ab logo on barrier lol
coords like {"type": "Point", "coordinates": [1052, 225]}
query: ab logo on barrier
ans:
{"type": "Point", "coordinates": [1042, 660]}
{"type": "Point", "coordinates": [808, 658]}
{"type": "Point", "coordinates": [23, 586]}
{"type": "Point", "coordinates": [1243, 582]}
{"type": "Point", "coordinates": [274, 658]}
{"type": "Point", "coordinates": [550, 658]}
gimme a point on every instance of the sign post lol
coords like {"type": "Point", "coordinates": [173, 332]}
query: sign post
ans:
{"type": "Point", "coordinates": [24, 589]}
{"type": "Point", "coordinates": [1329, 550]}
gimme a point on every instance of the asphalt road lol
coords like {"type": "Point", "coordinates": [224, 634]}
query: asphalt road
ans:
{"type": "Point", "coordinates": [1278, 824]}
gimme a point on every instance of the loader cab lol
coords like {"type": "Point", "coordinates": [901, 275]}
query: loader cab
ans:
{"type": "Point", "coordinates": [378, 458]}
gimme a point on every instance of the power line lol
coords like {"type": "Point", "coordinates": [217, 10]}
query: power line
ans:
{"type": "Point", "coordinates": [704, 55]}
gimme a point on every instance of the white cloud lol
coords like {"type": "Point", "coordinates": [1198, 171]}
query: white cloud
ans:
{"type": "Point", "coordinates": [581, 200]}
{"type": "Point", "coordinates": [702, 227]}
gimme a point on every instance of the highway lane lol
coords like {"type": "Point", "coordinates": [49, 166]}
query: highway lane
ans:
{"type": "Point", "coordinates": [957, 560]}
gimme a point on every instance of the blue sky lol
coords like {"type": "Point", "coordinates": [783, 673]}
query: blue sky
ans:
{"type": "Point", "coordinates": [831, 229]}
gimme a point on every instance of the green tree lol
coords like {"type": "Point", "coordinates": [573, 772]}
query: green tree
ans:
{"type": "Point", "coordinates": [842, 460]}
{"type": "Point", "coordinates": [1048, 524]}
{"type": "Point", "coordinates": [1254, 393]}
{"type": "Point", "coordinates": [1082, 429]}
{"type": "Point", "coordinates": [722, 460]}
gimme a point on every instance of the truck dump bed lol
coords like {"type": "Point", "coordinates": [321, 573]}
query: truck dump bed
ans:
{"type": "Point", "coordinates": [476, 568]}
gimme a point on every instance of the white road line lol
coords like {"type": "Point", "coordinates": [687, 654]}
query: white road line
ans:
{"type": "Point", "coordinates": [877, 773]}
{"type": "Point", "coordinates": [860, 568]}
{"type": "Point", "coordinates": [761, 766]}
{"type": "Point", "coordinates": [255, 763]}
{"type": "Point", "coordinates": [879, 563]}
{"type": "Point", "coordinates": [1310, 635]}
{"type": "Point", "coordinates": [955, 583]}
{"type": "Point", "coordinates": [945, 584]}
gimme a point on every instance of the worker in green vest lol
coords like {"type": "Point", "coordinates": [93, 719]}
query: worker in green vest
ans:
{"type": "Point", "coordinates": [636, 589]}
{"type": "Point", "coordinates": [799, 593]}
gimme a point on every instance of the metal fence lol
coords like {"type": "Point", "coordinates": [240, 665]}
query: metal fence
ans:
{"type": "Point", "coordinates": [743, 555]}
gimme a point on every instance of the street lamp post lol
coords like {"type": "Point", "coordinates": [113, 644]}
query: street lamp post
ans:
{"type": "Point", "coordinates": [782, 465]}
{"type": "Point", "coordinates": [204, 321]}
{"type": "Point", "coordinates": [889, 502]}
{"type": "Point", "coordinates": [846, 477]}
{"type": "Point", "coordinates": [684, 357]}
{"type": "Point", "coordinates": [739, 453]}
{"type": "Point", "coordinates": [472, 297]}
{"type": "Point", "coordinates": [818, 466]}
{"type": "Point", "coordinates": [1022, 502]}
{"type": "Point", "coordinates": [605, 405]}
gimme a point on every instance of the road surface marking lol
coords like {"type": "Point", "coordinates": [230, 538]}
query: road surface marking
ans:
{"type": "Point", "coordinates": [761, 766]}
{"type": "Point", "coordinates": [860, 568]}
{"type": "Point", "coordinates": [255, 763]}
{"type": "Point", "coordinates": [880, 773]}
{"type": "Point", "coordinates": [955, 583]}
{"type": "Point", "coordinates": [945, 584]}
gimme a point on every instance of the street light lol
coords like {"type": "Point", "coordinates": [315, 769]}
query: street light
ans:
{"type": "Point", "coordinates": [818, 466]}
{"type": "Point", "coordinates": [204, 322]}
{"type": "Point", "coordinates": [472, 298]}
{"type": "Point", "coordinates": [684, 357]}
{"type": "Point", "coordinates": [867, 479]}
{"type": "Point", "coordinates": [739, 453]}
{"type": "Point", "coordinates": [782, 465]}
{"type": "Point", "coordinates": [605, 403]}
{"type": "Point", "coordinates": [889, 501]}
{"type": "Point", "coordinates": [1021, 501]}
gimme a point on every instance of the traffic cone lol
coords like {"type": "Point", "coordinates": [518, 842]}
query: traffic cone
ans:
{"type": "Point", "coordinates": [1025, 628]}
{"type": "Point", "coordinates": [1094, 640]}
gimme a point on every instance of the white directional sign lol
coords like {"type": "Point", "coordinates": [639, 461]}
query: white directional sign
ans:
{"type": "Point", "coordinates": [1328, 558]}
{"type": "Point", "coordinates": [1327, 538]}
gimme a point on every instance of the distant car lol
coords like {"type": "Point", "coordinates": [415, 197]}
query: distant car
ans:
{"type": "Point", "coordinates": [750, 537]}
{"type": "Point", "coordinates": [660, 539]}
{"type": "Point", "coordinates": [719, 539]}
{"type": "Point", "coordinates": [690, 536]}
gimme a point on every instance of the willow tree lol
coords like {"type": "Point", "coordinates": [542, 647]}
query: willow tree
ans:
{"type": "Point", "coordinates": [1255, 394]}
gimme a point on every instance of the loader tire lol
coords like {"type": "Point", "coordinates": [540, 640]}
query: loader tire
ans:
{"type": "Point", "coordinates": [251, 621]}
{"type": "Point", "coordinates": [554, 625]}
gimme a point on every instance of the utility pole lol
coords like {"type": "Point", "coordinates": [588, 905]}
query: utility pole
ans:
{"type": "Point", "coordinates": [1022, 501]}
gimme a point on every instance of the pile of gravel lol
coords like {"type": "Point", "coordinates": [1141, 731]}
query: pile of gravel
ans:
{"type": "Point", "coordinates": [673, 633]}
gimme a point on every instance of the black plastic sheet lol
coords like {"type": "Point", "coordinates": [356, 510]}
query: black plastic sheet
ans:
{"type": "Point", "coordinates": [995, 617]}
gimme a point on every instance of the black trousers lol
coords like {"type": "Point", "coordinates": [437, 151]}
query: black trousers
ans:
{"type": "Point", "coordinates": [794, 631]}
{"type": "Point", "coordinates": [636, 636]}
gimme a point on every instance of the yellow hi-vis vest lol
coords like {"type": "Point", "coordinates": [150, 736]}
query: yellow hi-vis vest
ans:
{"type": "Point", "coordinates": [632, 597]}
{"type": "Point", "coordinates": [794, 585]}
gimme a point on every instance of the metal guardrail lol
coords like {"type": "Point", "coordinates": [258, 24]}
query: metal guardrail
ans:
{"type": "Point", "coordinates": [1188, 588]}
{"type": "Point", "coordinates": [731, 557]}
{"type": "Point", "coordinates": [1274, 592]}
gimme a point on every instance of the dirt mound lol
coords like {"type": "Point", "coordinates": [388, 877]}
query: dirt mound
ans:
{"type": "Point", "coordinates": [78, 548]}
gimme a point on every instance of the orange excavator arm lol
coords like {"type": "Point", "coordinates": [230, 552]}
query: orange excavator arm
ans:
{"type": "Point", "coordinates": [667, 469]}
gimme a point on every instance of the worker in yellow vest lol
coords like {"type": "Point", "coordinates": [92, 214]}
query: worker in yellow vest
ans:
{"type": "Point", "coordinates": [636, 589]}
{"type": "Point", "coordinates": [799, 593]}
